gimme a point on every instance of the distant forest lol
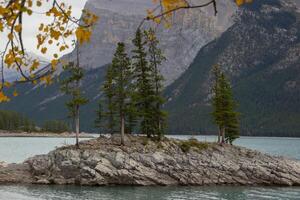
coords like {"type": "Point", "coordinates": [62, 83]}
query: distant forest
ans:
{"type": "Point", "coordinates": [15, 122]}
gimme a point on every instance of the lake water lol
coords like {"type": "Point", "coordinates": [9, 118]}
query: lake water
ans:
{"type": "Point", "coordinates": [18, 149]}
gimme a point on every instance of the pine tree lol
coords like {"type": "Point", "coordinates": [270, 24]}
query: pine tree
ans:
{"type": "Point", "coordinates": [99, 117]}
{"type": "Point", "coordinates": [122, 78]}
{"type": "Point", "coordinates": [155, 60]}
{"type": "Point", "coordinates": [71, 86]}
{"type": "Point", "coordinates": [108, 89]}
{"type": "Point", "coordinates": [224, 106]}
{"type": "Point", "coordinates": [216, 100]}
{"type": "Point", "coordinates": [144, 94]}
{"type": "Point", "coordinates": [117, 89]}
{"type": "Point", "coordinates": [230, 115]}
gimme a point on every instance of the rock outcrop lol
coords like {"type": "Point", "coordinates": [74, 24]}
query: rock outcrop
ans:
{"type": "Point", "coordinates": [144, 162]}
{"type": "Point", "coordinates": [119, 19]}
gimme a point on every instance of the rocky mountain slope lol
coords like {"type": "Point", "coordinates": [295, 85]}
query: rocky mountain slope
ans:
{"type": "Point", "coordinates": [144, 162]}
{"type": "Point", "coordinates": [119, 20]}
{"type": "Point", "coordinates": [260, 53]}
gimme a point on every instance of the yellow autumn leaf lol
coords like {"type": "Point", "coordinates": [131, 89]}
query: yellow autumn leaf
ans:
{"type": "Point", "coordinates": [34, 65]}
{"type": "Point", "coordinates": [3, 11]}
{"type": "Point", "coordinates": [1, 26]}
{"type": "Point", "coordinates": [83, 35]}
{"type": "Point", "coordinates": [15, 93]}
{"type": "Point", "coordinates": [7, 84]}
{"type": "Point", "coordinates": [54, 63]}
{"type": "Point", "coordinates": [44, 50]}
{"type": "Point", "coordinates": [18, 28]}
{"type": "Point", "coordinates": [241, 2]}
{"type": "Point", "coordinates": [3, 97]}
{"type": "Point", "coordinates": [38, 3]}
{"type": "Point", "coordinates": [10, 36]}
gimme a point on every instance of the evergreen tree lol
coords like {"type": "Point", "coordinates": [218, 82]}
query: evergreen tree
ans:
{"type": "Point", "coordinates": [13, 121]}
{"type": "Point", "coordinates": [155, 60]}
{"type": "Point", "coordinates": [122, 78]}
{"type": "Point", "coordinates": [224, 106]}
{"type": "Point", "coordinates": [55, 126]}
{"type": "Point", "coordinates": [99, 117]}
{"type": "Point", "coordinates": [216, 100]}
{"type": "Point", "coordinates": [117, 89]}
{"type": "Point", "coordinates": [110, 112]}
{"type": "Point", "coordinates": [71, 86]}
{"type": "Point", "coordinates": [144, 91]}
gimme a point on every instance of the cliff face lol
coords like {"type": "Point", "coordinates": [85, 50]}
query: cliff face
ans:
{"type": "Point", "coordinates": [143, 162]}
{"type": "Point", "coordinates": [260, 55]}
{"type": "Point", "coordinates": [119, 20]}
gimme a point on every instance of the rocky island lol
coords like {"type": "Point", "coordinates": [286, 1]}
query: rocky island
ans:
{"type": "Point", "coordinates": [143, 162]}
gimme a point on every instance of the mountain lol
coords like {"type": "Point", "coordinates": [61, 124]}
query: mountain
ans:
{"type": "Point", "coordinates": [42, 103]}
{"type": "Point", "coordinates": [13, 74]}
{"type": "Point", "coordinates": [260, 54]}
{"type": "Point", "coordinates": [119, 19]}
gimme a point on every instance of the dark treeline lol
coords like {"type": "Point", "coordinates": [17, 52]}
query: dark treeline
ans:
{"type": "Point", "coordinates": [55, 126]}
{"type": "Point", "coordinates": [13, 121]}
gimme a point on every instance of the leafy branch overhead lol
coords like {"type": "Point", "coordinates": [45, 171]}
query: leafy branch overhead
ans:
{"type": "Point", "coordinates": [164, 9]}
{"type": "Point", "coordinates": [62, 26]}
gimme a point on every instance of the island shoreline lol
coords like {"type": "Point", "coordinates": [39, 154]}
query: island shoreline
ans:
{"type": "Point", "coordinates": [144, 162]}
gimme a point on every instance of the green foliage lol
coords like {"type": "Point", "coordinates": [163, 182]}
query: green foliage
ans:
{"type": "Point", "coordinates": [156, 57]}
{"type": "Point", "coordinates": [224, 106]}
{"type": "Point", "coordinates": [99, 121]}
{"type": "Point", "coordinates": [133, 88]}
{"type": "Point", "coordinates": [71, 86]}
{"type": "Point", "coordinates": [13, 121]}
{"type": "Point", "coordinates": [144, 95]}
{"type": "Point", "coordinates": [117, 88]}
{"type": "Point", "coordinates": [108, 89]}
{"type": "Point", "coordinates": [192, 143]}
{"type": "Point", "coordinates": [55, 126]}
{"type": "Point", "coordinates": [148, 100]}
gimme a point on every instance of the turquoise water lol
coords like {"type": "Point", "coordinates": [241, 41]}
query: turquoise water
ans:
{"type": "Point", "coordinates": [146, 193]}
{"type": "Point", "coordinates": [18, 149]}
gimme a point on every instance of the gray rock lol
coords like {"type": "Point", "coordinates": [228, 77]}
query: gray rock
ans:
{"type": "Point", "coordinates": [100, 162]}
{"type": "Point", "coordinates": [191, 30]}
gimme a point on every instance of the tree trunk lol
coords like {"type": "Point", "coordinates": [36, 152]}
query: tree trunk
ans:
{"type": "Point", "coordinates": [122, 129]}
{"type": "Point", "coordinates": [77, 126]}
{"type": "Point", "coordinates": [223, 135]}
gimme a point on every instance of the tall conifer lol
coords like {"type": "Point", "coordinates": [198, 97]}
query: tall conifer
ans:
{"type": "Point", "coordinates": [71, 86]}
{"type": "Point", "coordinates": [117, 89]}
{"type": "Point", "coordinates": [156, 58]}
{"type": "Point", "coordinates": [144, 94]}
{"type": "Point", "coordinates": [224, 107]}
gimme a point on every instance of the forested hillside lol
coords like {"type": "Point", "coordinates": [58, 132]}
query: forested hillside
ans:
{"type": "Point", "coordinates": [261, 55]}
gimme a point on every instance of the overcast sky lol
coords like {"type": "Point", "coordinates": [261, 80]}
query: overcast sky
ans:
{"type": "Point", "coordinates": [31, 24]}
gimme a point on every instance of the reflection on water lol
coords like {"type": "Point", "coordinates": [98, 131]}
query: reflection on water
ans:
{"type": "Point", "coordinates": [146, 193]}
{"type": "Point", "coordinates": [18, 149]}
